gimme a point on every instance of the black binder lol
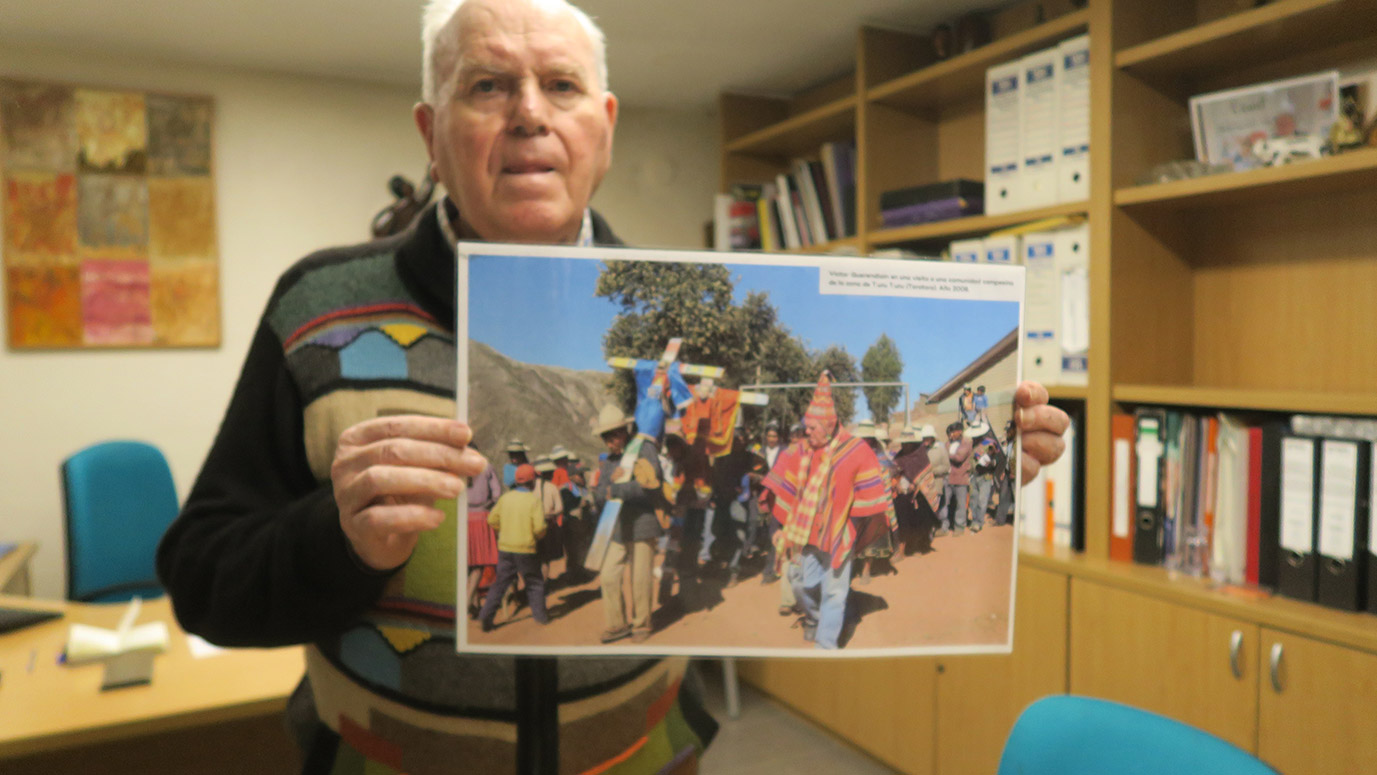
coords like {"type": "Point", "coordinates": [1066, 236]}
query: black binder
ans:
{"type": "Point", "coordinates": [1269, 511]}
{"type": "Point", "coordinates": [1298, 491]}
{"type": "Point", "coordinates": [1343, 497]}
{"type": "Point", "coordinates": [1150, 498]}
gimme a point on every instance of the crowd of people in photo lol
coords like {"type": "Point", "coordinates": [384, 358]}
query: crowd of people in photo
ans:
{"type": "Point", "coordinates": [697, 513]}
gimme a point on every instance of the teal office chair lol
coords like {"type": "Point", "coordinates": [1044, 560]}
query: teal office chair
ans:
{"type": "Point", "coordinates": [119, 499]}
{"type": "Point", "coordinates": [1069, 735]}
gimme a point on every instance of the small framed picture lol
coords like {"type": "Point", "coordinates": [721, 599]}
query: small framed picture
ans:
{"type": "Point", "coordinates": [1227, 124]}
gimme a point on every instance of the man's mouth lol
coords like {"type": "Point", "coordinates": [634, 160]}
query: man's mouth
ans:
{"type": "Point", "coordinates": [530, 168]}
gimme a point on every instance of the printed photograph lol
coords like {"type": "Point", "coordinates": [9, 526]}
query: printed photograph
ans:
{"type": "Point", "coordinates": [727, 453]}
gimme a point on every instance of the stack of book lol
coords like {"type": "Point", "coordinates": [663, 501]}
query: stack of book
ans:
{"type": "Point", "coordinates": [1283, 504]}
{"type": "Point", "coordinates": [812, 204]}
{"type": "Point", "coordinates": [932, 202]}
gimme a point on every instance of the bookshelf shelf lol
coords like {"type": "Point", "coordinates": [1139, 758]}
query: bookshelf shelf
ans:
{"type": "Point", "coordinates": [1068, 392]}
{"type": "Point", "coordinates": [1293, 26]}
{"type": "Point", "coordinates": [1293, 401]}
{"type": "Point", "coordinates": [962, 78]}
{"type": "Point", "coordinates": [801, 134]}
{"type": "Point", "coordinates": [975, 224]}
{"type": "Point", "coordinates": [1331, 174]}
{"type": "Point", "coordinates": [849, 246]}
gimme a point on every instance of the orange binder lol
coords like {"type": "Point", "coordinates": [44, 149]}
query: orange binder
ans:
{"type": "Point", "coordinates": [1122, 433]}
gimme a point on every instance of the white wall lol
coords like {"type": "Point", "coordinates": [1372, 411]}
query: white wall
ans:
{"type": "Point", "coordinates": [300, 164]}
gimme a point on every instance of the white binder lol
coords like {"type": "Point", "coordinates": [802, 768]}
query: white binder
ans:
{"type": "Point", "coordinates": [1002, 129]}
{"type": "Point", "coordinates": [1072, 256]}
{"type": "Point", "coordinates": [1073, 107]}
{"type": "Point", "coordinates": [1000, 250]}
{"type": "Point", "coordinates": [967, 251]}
{"type": "Point", "coordinates": [1041, 309]}
{"type": "Point", "coordinates": [1039, 124]}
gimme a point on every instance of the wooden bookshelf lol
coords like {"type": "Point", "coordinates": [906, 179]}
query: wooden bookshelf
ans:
{"type": "Point", "coordinates": [1255, 400]}
{"type": "Point", "coordinates": [800, 135]}
{"type": "Point", "coordinates": [1292, 26]}
{"type": "Point", "coordinates": [1331, 174]}
{"type": "Point", "coordinates": [962, 78]}
{"type": "Point", "coordinates": [976, 224]}
{"type": "Point", "coordinates": [1250, 291]}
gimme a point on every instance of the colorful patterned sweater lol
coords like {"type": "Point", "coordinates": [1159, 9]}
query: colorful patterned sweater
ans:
{"type": "Point", "coordinates": [257, 556]}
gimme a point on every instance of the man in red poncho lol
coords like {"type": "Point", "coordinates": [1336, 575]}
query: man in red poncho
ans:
{"type": "Point", "coordinates": [826, 488]}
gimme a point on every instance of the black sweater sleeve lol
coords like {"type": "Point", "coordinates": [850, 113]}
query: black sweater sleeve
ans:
{"type": "Point", "coordinates": [257, 557]}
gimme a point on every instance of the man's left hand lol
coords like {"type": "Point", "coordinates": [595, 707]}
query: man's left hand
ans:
{"type": "Point", "coordinates": [1042, 426]}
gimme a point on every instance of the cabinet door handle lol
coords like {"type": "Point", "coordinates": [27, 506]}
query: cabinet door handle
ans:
{"type": "Point", "coordinates": [1276, 667]}
{"type": "Point", "coordinates": [1236, 653]}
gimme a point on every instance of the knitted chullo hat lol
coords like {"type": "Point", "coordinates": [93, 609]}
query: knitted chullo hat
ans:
{"type": "Point", "coordinates": [822, 408]}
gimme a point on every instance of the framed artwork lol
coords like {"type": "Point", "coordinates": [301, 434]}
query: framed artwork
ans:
{"type": "Point", "coordinates": [645, 506]}
{"type": "Point", "coordinates": [109, 218]}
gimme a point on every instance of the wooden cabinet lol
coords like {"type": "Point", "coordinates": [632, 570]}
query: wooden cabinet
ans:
{"type": "Point", "coordinates": [926, 715]}
{"type": "Point", "coordinates": [980, 697]}
{"type": "Point", "coordinates": [1193, 666]}
{"type": "Point", "coordinates": [1318, 717]}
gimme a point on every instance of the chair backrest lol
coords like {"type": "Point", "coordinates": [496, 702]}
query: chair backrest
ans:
{"type": "Point", "coordinates": [119, 499]}
{"type": "Point", "coordinates": [1070, 735]}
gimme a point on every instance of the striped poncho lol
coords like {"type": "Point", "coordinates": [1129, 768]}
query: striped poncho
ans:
{"type": "Point", "coordinates": [853, 488]}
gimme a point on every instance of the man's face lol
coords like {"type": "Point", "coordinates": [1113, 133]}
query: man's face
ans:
{"type": "Point", "coordinates": [615, 441]}
{"type": "Point", "coordinates": [521, 132]}
{"type": "Point", "coordinates": [953, 435]}
{"type": "Point", "coordinates": [772, 438]}
{"type": "Point", "coordinates": [816, 432]}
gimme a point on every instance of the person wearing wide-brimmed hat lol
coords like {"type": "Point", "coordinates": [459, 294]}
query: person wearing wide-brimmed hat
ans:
{"type": "Point", "coordinates": [984, 460]}
{"type": "Point", "coordinates": [552, 544]}
{"type": "Point", "coordinates": [637, 484]}
{"type": "Point", "coordinates": [571, 483]}
{"type": "Point", "coordinates": [919, 491]}
{"type": "Point", "coordinates": [516, 455]}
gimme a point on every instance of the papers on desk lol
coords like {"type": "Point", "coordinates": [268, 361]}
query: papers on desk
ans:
{"type": "Point", "coordinates": [126, 651]}
{"type": "Point", "coordinates": [88, 644]}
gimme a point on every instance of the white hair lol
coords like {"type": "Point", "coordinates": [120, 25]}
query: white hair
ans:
{"type": "Point", "coordinates": [437, 16]}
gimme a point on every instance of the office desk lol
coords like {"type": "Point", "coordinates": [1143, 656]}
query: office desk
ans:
{"type": "Point", "coordinates": [57, 716]}
{"type": "Point", "coordinates": [14, 570]}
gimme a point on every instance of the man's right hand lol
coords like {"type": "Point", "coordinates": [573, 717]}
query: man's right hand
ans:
{"type": "Point", "coordinates": [387, 474]}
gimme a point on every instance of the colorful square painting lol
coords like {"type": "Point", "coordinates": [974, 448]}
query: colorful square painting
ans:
{"type": "Point", "coordinates": [44, 306]}
{"type": "Point", "coordinates": [38, 130]}
{"type": "Point", "coordinates": [109, 218]}
{"type": "Point", "coordinates": [115, 304]}
{"type": "Point", "coordinates": [178, 135]}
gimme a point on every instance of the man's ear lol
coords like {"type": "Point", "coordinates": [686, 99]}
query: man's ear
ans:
{"type": "Point", "coordinates": [424, 116]}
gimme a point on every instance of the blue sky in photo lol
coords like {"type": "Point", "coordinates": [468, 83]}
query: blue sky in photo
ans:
{"type": "Point", "coordinates": [542, 310]}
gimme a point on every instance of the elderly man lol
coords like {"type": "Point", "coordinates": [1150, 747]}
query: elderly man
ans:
{"type": "Point", "coordinates": [321, 515]}
{"type": "Point", "coordinates": [828, 491]}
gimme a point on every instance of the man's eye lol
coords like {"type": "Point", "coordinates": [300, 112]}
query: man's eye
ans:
{"type": "Point", "coordinates": [485, 86]}
{"type": "Point", "coordinates": [563, 86]}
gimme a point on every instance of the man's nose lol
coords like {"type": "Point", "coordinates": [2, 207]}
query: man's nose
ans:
{"type": "Point", "coordinates": [530, 111]}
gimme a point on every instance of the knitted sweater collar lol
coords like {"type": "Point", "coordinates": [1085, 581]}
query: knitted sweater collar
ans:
{"type": "Point", "coordinates": [426, 260]}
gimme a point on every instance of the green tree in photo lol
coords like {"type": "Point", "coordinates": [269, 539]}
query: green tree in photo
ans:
{"type": "Point", "coordinates": [882, 363]}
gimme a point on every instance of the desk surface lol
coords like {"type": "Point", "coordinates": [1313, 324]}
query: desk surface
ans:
{"type": "Point", "coordinates": [57, 706]}
{"type": "Point", "coordinates": [15, 562]}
